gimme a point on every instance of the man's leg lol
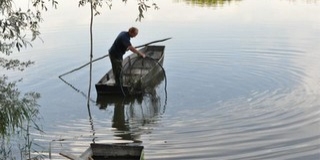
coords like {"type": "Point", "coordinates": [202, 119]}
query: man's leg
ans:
{"type": "Point", "coordinates": [116, 68]}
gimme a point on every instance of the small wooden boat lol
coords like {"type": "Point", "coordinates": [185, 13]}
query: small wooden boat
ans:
{"type": "Point", "coordinates": [137, 72]}
{"type": "Point", "coordinates": [98, 151]}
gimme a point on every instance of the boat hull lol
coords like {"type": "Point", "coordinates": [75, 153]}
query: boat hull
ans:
{"type": "Point", "coordinates": [134, 67]}
{"type": "Point", "coordinates": [113, 152]}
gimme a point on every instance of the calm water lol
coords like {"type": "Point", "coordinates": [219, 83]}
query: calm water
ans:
{"type": "Point", "coordinates": [243, 81]}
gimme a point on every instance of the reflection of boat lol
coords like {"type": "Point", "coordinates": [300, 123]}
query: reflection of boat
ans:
{"type": "Point", "coordinates": [133, 112]}
{"type": "Point", "coordinates": [133, 116]}
{"type": "Point", "coordinates": [137, 72]}
{"type": "Point", "coordinates": [103, 100]}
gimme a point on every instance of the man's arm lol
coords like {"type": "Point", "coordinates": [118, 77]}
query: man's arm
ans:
{"type": "Point", "coordinates": [134, 50]}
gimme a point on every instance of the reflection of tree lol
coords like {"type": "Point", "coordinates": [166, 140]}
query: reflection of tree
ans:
{"type": "Point", "coordinates": [207, 3]}
{"type": "Point", "coordinates": [306, 1]}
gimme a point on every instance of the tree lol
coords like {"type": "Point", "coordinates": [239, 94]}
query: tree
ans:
{"type": "Point", "coordinates": [207, 3]}
{"type": "Point", "coordinates": [143, 6]}
{"type": "Point", "coordinates": [17, 112]}
{"type": "Point", "coordinates": [15, 24]}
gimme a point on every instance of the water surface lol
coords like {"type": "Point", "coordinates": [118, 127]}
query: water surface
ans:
{"type": "Point", "coordinates": [242, 81]}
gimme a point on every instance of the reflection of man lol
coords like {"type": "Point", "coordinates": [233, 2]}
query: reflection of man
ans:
{"type": "Point", "coordinates": [119, 121]}
{"type": "Point", "coordinates": [122, 126]}
{"type": "Point", "coordinates": [118, 49]}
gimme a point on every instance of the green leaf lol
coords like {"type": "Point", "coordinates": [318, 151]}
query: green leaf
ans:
{"type": "Point", "coordinates": [18, 46]}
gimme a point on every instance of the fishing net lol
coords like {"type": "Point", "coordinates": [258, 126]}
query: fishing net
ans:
{"type": "Point", "coordinates": [142, 75]}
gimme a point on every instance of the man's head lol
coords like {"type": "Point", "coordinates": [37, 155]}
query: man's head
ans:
{"type": "Point", "coordinates": [133, 31]}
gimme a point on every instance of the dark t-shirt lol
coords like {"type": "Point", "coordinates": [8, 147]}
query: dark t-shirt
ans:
{"type": "Point", "coordinates": [120, 45]}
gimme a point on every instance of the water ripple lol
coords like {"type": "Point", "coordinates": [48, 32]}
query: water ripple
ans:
{"type": "Point", "coordinates": [278, 117]}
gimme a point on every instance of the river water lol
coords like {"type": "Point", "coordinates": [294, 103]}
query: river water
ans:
{"type": "Point", "coordinates": [242, 80]}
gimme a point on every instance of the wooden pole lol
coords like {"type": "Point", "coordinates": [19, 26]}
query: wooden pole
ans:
{"type": "Point", "coordinates": [161, 40]}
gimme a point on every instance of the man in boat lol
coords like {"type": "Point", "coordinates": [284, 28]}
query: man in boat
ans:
{"type": "Point", "coordinates": [118, 49]}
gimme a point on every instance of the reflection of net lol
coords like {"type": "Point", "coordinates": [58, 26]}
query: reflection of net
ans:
{"type": "Point", "coordinates": [147, 111]}
{"type": "Point", "coordinates": [147, 76]}
{"type": "Point", "coordinates": [141, 75]}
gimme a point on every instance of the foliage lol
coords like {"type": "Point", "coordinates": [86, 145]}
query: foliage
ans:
{"type": "Point", "coordinates": [14, 110]}
{"type": "Point", "coordinates": [96, 4]}
{"type": "Point", "coordinates": [143, 6]}
{"type": "Point", "coordinates": [17, 114]}
{"type": "Point", "coordinates": [19, 25]}
{"type": "Point", "coordinates": [16, 23]}
{"type": "Point", "coordinates": [14, 64]}
{"type": "Point", "coordinates": [208, 3]}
